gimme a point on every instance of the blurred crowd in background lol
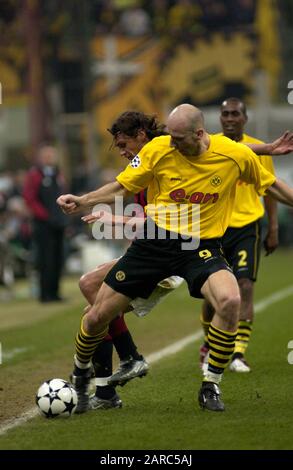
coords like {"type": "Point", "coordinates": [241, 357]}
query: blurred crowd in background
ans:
{"type": "Point", "coordinates": [169, 17]}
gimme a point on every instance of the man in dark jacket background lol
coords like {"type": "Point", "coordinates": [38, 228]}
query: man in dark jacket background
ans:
{"type": "Point", "coordinates": [43, 184]}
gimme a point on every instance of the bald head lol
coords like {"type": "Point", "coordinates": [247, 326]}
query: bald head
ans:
{"type": "Point", "coordinates": [185, 117]}
{"type": "Point", "coordinates": [185, 124]}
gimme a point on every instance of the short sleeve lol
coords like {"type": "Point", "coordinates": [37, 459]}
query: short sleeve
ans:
{"type": "Point", "coordinates": [140, 171]}
{"type": "Point", "coordinates": [267, 162]}
{"type": "Point", "coordinates": [253, 172]}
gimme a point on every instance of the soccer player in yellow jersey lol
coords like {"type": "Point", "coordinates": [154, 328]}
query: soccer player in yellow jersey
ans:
{"type": "Point", "coordinates": [187, 169]}
{"type": "Point", "coordinates": [242, 239]}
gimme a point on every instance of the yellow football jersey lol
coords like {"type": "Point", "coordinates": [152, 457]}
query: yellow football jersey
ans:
{"type": "Point", "coordinates": [180, 188]}
{"type": "Point", "coordinates": [247, 206]}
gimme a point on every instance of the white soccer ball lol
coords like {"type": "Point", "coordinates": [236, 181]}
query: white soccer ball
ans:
{"type": "Point", "coordinates": [56, 397]}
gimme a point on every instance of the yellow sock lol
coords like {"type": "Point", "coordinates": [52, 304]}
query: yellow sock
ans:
{"type": "Point", "coordinates": [221, 344]}
{"type": "Point", "coordinates": [86, 344]}
{"type": "Point", "coordinates": [243, 336]}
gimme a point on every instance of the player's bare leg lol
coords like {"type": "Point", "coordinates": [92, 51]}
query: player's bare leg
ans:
{"type": "Point", "coordinates": [238, 362]}
{"type": "Point", "coordinates": [222, 291]}
{"type": "Point", "coordinates": [93, 329]}
{"type": "Point", "coordinates": [91, 282]}
{"type": "Point", "coordinates": [207, 313]}
{"type": "Point", "coordinates": [132, 363]}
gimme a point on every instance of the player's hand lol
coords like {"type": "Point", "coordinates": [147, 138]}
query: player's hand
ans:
{"type": "Point", "coordinates": [102, 216]}
{"type": "Point", "coordinates": [271, 242]}
{"type": "Point", "coordinates": [69, 203]}
{"type": "Point", "coordinates": [283, 144]}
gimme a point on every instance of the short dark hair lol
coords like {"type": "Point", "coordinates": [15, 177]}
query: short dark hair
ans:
{"type": "Point", "coordinates": [237, 101]}
{"type": "Point", "coordinates": [44, 144]}
{"type": "Point", "coordinates": [130, 122]}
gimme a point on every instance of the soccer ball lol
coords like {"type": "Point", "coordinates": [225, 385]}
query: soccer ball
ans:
{"type": "Point", "coordinates": [56, 397]}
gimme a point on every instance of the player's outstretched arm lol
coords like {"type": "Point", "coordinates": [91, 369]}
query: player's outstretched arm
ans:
{"type": "Point", "coordinates": [111, 219]}
{"type": "Point", "coordinates": [71, 204]}
{"type": "Point", "coordinates": [280, 146]}
{"type": "Point", "coordinates": [271, 240]}
{"type": "Point", "coordinates": [282, 192]}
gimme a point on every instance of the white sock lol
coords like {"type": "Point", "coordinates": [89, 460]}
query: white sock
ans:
{"type": "Point", "coordinates": [81, 365]}
{"type": "Point", "coordinates": [212, 377]}
{"type": "Point", "coordinates": [101, 381]}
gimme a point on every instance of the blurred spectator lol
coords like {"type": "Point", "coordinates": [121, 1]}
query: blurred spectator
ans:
{"type": "Point", "coordinates": [216, 14]}
{"type": "Point", "coordinates": [15, 225]}
{"type": "Point", "coordinates": [6, 269]}
{"type": "Point", "coordinates": [43, 185]}
{"type": "Point", "coordinates": [6, 184]}
{"type": "Point", "coordinates": [243, 12]}
{"type": "Point", "coordinates": [160, 16]}
{"type": "Point", "coordinates": [20, 234]}
{"type": "Point", "coordinates": [7, 11]}
{"type": "Point", "coordinates": [18, 179]}
{"type": "Point", "coordinates": [106, 16]}
{"type": "Point", "coordinates": [286, 7]}
{"type": "Point", "coordinates": [184, 19]}
{"type": "Point", "coordinates": [135, 21]}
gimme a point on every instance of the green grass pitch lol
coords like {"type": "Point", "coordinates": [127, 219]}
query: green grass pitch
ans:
{"type": "Point", "coordinates": [161, 410]}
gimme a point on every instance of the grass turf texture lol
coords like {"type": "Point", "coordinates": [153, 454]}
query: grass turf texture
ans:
{"type": "Point", "coordinates": [161, 410]}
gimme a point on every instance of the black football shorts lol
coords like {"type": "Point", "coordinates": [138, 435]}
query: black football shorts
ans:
{"type": "Point", "coordinates": [147, 262]}
{"type": "Point", "coordinates": [242, 249]}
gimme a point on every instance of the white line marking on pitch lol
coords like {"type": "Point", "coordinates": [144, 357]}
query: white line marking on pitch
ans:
{"type": "Point", "coordinates": [11, 353]}
{"type": "Point", "coordinates": [179, 345]}
{"type": "Point", "coordinates": [157, 356]}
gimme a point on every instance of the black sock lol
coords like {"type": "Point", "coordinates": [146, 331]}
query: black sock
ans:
{"type": "Point", "coordinates": [102, 362]}
{"type": "Point", "coordinates": [105, 392]}
{"type": "Point", "coordinates": [237, 356]}
{"type": "Point", "coordinates": [79, 372]}
{"type": "Point", "coordinates": [102, 359]}
{"type": "Point", "coordinates": [125, 347]}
